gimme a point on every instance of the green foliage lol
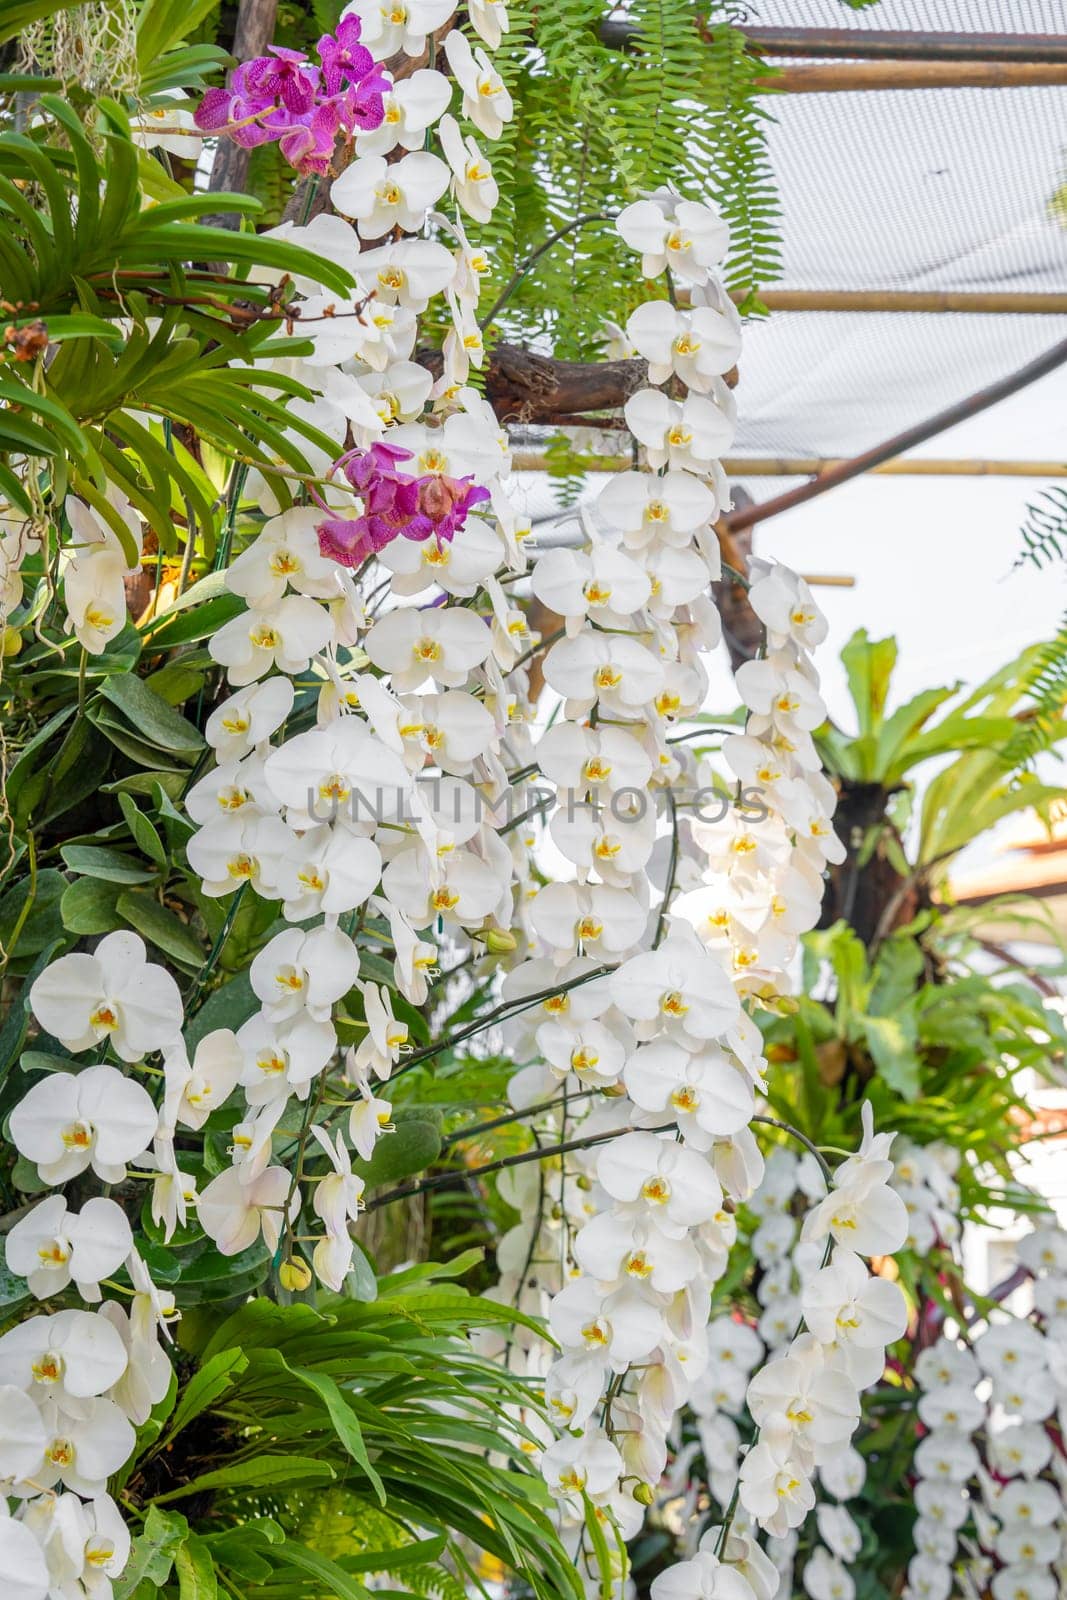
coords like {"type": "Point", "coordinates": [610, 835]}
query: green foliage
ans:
{"type": "Point", "coordinates": [382, 1405]}
{"type": "Point", "coordinates": [1044, 531]}
{"type": "Point", "coordinates": [1042, 721]}
{"type": "Point", "coordinates": [608, 110]}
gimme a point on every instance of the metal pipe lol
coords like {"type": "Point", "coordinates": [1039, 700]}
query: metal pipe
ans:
{"type": "Point", "coordinates": [748, 516]}
{"type": "Point", "coordinates": [882, 44]}
{"type": "Point", "coordinates": [849, 77]}
{"type": "Point", "coordinates": [879, 44]}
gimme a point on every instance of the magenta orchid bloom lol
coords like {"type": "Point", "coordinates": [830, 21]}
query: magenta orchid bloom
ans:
{"type": "Point", "coordinates": [284, 75]}
{"type": "Point", "coordinates": [343, 56]}
{"type": "Point", "coordinates": [395, 505]}
{"type": "Point", "coordinates": [282, 96]}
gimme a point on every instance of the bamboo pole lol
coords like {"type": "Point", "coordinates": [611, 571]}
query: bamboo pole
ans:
{"type": "Point", "coordinates": [851, 76]}
{"type": "Point", "coordinates": [968, 302]}
{"type": "Point", "coordinates": [815, 466]}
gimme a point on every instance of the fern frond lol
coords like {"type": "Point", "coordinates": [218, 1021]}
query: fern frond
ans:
{"type": "Point", "coordinates": [1042, 721]}
{"type": "Point", "coordinates": [1044, 532]}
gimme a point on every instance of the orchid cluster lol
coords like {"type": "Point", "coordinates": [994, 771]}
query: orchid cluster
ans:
{"type": "Point", "coordinates": [303, 107]}
{"type": "Point", "coordinates": [992, 1479]}
{"type": "Point", "coordinates": [378, 741]}
{"type": "Point", "coordinates": [75, 1384]}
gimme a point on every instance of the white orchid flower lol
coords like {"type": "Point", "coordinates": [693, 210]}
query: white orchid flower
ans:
{"type": "Point", "coordinates": [604, 921]}
{"type": "Point", "coordinates": [285, 635]}
{"type": "Point", "coordinates": [844, 1304]}
{"type": "Point", "coordinates": [659, 1179]}
{"type": "Point", "coordinates": [774, 1489]}
{"type": "Point", "coordinates": [588, 1464]}
{"type": "Point", "coordinates": [279, 1057]}
{"type": "Point", "coordinates": [696, 346]}
{"type": "Point", "coordinates": [194, 1091]}
{"type": "Point", "coordinates": [612, 668]}
{"type": "Point", "coordinates": [233, 1213]}
{"type": "Point", "coordinates": [248, 718]}
{"type": "Point", "coordinates": [337, 1196]}
{"type": "Point", "coordinates": [678, 989]}
{"type": "Point", "coordinates": [95, 575]}
{"type": "Point", "coordinates": [54, 1246]}
{"type": "Point", "coordinates": [459, 566]}
{"type": "Point", "coordinates": [486, 100]}
{"type": "Point", "coordinates": [458, 887]}
{"type": "Point", "coordinates": [381, 195]}
{"type": "Point", "coordinates": [652, 511]}
{"type": "Point", "coordinates": [83, 1450]}
{"type": "Point", "coordinates": [330, 870]}
{"type": "Point", "coordinates": [688, 434]}
{"type": "Point", "coordinates": [75, 1354]}
{"type": "Point", "coordinates": [685, 235]}
{"type": "Point", "coordinates": [825, 1578]}
{"type": "Point", "coordinates": [706, 1094]}
{"type": "Point", "coordinates": [408, 273]}
{"type": "Point", "coordinates": [399, 392]}
{"type": "Point", "coordinates": [475, 188]}
{"type": "Point", "coordinates": [442, 644]}
{"type": "Point", "coordinates": [604, 584]}
{"type": "Point", "coordinates": [410, 107]}
{"type": "Point", "coordinates": [392, 27]}
{"type": "Point", "coordinates": [339, 771]}
{"type": "Point", "coordinates": [237, 849]}
{"type": "Point", "coordinates": [96, 1118]}
{"type": "Point", "coordinates": [300, 971]}
{"type": "Point", "coordinates": [368, 1120]}
{"type": "Point", "coordinates": [619, 1249]}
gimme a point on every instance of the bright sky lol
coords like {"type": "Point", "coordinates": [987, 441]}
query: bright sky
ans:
{"type": "Point", "coordinates": [932, 557]}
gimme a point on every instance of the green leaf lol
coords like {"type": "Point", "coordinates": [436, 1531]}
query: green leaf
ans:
{"type": "Point", "coordinates": [333, 1579]}
{"type": "Point", "coordinates": [414, 1146]}
{"type": "Point", "coordinates": [153, 719]}
{"type": "Point", "coordinates": [891, 1041]}
{"type": "Point", "coordinates": [342, 1417]}
{"type": "Point", "coordinates": [261, 1472]}
{"type": "Point", "coordinates": [43, 922]}
{"type": "Point", "coordinates": [196, 1570]}
{"type": "Point", "coordinates": [147, 838]}
{"type": "Point", "coordinates": [869, 667]}
{"type": "Point", "coordinates": [161, 927]}
{"type": "Point", "coordinates": [91, 906]}
{"type": "Point", "coordinates": [152, 1556]}
{"type": "Point", "coordinates": [226, 1007]}
{"type": "Point", "coordinates": [100, 861]}
{"type": "Point", "coordinates": [206, 1386]}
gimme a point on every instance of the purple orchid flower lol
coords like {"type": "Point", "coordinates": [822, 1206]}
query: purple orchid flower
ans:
{"type": "Point", "coordinates": [363, 103]}
{"type": "Point", "coordinates": [343, 56]}
{"type": "Point", "coordinates": [308, 144]}
{"type": "Point", "coordinates": [285, 76]}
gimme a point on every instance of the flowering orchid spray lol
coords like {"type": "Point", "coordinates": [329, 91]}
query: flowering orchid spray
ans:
{"type": "Point", "coordinates": [382, 733]}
